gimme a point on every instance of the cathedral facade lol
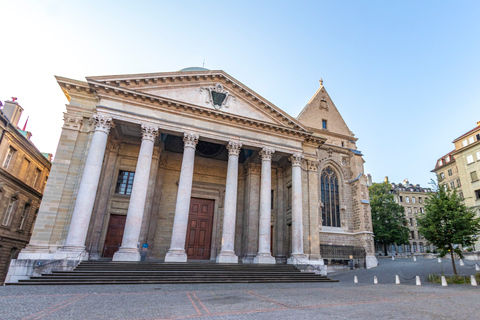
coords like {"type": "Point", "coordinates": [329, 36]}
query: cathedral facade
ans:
{"type": "Point", "coordinates": [193, 164]}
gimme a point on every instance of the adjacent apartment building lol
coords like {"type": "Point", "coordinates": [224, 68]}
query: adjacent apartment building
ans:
{"type": "Point", "coordinates": [460, 168]}
{"type": "Point", "coordinates": [23, 174]}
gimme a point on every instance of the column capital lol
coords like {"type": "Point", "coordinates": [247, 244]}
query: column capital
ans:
{"type": "Point", "coordinates": [149, 132]}
{"type": "Point", "coordinates": [102, 123]}
{"type": "Point", "coordinates": [72, 122]}
{"type": "Point", "coordinates": [234, 148]}
{"type": "Point", "coordinates": [296, 159]}
{"type": "Point", "coordinates": [190, 139]}
{"type": "Point", "coordinates": [267, 153]}
{"type": "Point", "coordinates": [312, 165]}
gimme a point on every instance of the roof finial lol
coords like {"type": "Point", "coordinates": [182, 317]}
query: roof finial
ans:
{"type": "Point", "coordinates": [321, 82]}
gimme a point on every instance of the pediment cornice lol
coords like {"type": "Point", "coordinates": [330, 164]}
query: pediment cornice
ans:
{"type": "Point", "coordinates": [103, 90]}
{"type": "Point", "coordinates": [137, 81]}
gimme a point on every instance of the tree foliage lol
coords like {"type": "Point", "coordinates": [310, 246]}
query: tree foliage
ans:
{"type": "Point", "coordinates": [388, 219]}
{"type": "Point", "coordinates": [447, 222]}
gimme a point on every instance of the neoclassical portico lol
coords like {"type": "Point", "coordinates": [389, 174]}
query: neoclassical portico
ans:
{"type": "Point", "coordinates": [192, 165]}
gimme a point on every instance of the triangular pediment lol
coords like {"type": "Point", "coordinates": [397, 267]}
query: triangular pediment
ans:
{"type": "Point", "coordinates": [321, 108]}
{"type": "Point", "coordinates": [200, 88]}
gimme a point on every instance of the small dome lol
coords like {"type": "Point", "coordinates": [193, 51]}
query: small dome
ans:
{"type": "Point", "coordinates": [194, 69]}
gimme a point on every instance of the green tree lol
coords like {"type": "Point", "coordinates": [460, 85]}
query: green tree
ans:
{"type": "Point", "coordinates": [448, 223]}
{"type": "Point", "coordinates": [388, 219]}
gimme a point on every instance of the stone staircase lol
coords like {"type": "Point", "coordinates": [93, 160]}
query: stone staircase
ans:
{"type": "Point", "coordinates": [103, 272]}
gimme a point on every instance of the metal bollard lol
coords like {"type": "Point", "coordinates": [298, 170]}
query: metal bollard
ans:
{"type": "Point", "coordinates": [461, 263]}
{"type": "Point", "coordinates": [473, 281]}
{"type": "Point", "coordinates": [355, 279]}
{"type": "Point", "coordinates": [417, 280]}
{"type": "Point", "coordinates": [439, 260]}
{"type": "Point", "coordinates": [375, 281]}
{"type": "Point", "coordinates": [393, 258]}
{"type": "Point", "coordinates": [414, 258]}
{"type": "Point", "coordinates": [477, 267]}
{"type": "Point", "coordinates": [397, 279]}
{"type": "Point", "coordinates": [444, 282]}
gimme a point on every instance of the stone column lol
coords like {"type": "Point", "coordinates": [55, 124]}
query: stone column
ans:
{"type": "Point", "coordinates": [75, 244]}
{"type": "Point", "coordinates": [314, 236]}
{"type": "Point", "coordinates": [227, 253]}
{"type": "Point", "coordinates": [264, 255]}
{"type": "Point", "coordinates": [176, 253]}
{"type": "Point", "coordinates": [280, 223]}
{"type": "Point", "coordinates": [252, 205]}
{"type": "Point", "coordinates": [297, 210]}
{"type": "Point", "coordinates": [129, 249]}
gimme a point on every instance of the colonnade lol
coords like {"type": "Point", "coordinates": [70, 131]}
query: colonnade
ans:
{"type": "Point", "coordinates": [129, 249]}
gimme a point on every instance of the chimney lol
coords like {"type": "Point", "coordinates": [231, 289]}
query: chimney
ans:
{"type": "Point", "coordinates": [12, 110]}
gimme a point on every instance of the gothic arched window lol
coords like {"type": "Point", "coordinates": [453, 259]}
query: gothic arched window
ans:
{"type": "Point", "coordinates": [330, 198]}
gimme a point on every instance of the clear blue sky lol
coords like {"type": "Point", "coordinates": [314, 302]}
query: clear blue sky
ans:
{"type": "Point", "coordinates": [405, 75]}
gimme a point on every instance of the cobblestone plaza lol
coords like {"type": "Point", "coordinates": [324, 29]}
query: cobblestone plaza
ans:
{"type": "Point", "coordinates": [342, 300]}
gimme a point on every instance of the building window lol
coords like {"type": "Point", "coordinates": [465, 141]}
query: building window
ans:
{"type": "Point", "coordinates": [413, 200]}
{"type": "Point", "coordinates": [407, 248]}
{"type": "Point", "coordinates": [473, 175]}
{"type": "Point", "coordinates": [324, 124]}
{"type": "Point", "coordinates": [464, 143]}
{"type": "Point", "coordinates": [447, 159]}
{"type": "Point", "coordinates": [478, 155]}
{"type": "Point", "coordinates": [421, 246]}
{"type": "Point", "coordinates": [36, 175]}
{"type": "Point", "coordinates": [407, 199]}
{"type": "Point", "coordinates": [25, 211]}
{"type": "Point", "coordinates": [412, 234]}
{"type": "Point", "coordinates": [422, 210]}
{"type": "Point", "coordinates": [414, 247]}
{"type": "Point", "coordinates": [9, 212]}
{"type": "Point", "coordinates": [9, 157]}
{"type": "Point", "coordinates": [440, 162]}
{"type": "Point", "coordinates": [450, 172]}
{"type": "Point", "coordinates": [470, 140]}
{"type": "Point", "coordinates": [477, 194]}
{"type": "Point", "coordinates": [420, 200]}
{"type": "Point", "coordinates": [470, 159]}
{"type": "Point", "coordinates": [125, 182]}
{"type": "Point", "coordinates": [458, 183]}
{"type": "Point", "coordinates": [452, 184]}
{"type": "Point", "coordinates": [411, 222]}
{"type": "Point", "coordinates": [442, 176]}
{"type": "Point", "coordinates": [460, 195]}
{"type": "Point", "coordinates": [330, 198]}
{"type": "Point", "coordinates": [401, 198]}
{"type": "Point", "coordinates": [478, 136]}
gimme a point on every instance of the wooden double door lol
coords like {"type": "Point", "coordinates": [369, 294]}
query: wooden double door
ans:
{"type": "Point", "coordinates": [114, 237]}
{"type": "Point", "coordinates": [199, 230]}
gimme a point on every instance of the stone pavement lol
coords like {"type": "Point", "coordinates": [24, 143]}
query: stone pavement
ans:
{"type": "Point", "coordinates": [343, 300]}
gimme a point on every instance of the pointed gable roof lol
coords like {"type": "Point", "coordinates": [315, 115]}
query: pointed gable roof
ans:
{"type": "Point", "coordinates": [321, 107]}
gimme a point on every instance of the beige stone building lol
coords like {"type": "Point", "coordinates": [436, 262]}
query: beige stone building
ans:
{"type": "Point", "coordinates": [23, 173]}
{"type": "Point", "coordinates": [461, 169]}
{"type": "Point", "coordinates": [412, 199]}
{"type": "Point", "coordinates": [193, 164]}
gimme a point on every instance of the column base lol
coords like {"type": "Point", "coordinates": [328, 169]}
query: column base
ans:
{"type": "Point", "coordinates": [126, 254]}
{"type": "Point", "coordinates": [371, 262]}
{"type": "Point", "coordinates": [176, 256]}
{"type": "Point", "coordinates": [248, 258]}
{"type": "Point", "coordinates": [299, 258]}
{"type": "Point", "coordinates": [71, 253]}
{"type": "Point", "coordinates": [37, 252]}
{"type": "Point", "coordinates": [227, 257]}
{"type": "Point", "coordinates": [264, 258]}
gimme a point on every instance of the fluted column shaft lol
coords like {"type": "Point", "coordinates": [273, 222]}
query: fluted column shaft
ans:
{"type": "Point", "coordinates": [227, 254]}
{"type": "Point", "coordinates": [264, 255]}
{"type": "Point", "coordinates": [129, 250]}
{"type": "Point", "coordinates": [297, 211]}
{"type": "Point", "coordinates": [176, 253]}
{"type": "Point", "coordinates": [88, 185]}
